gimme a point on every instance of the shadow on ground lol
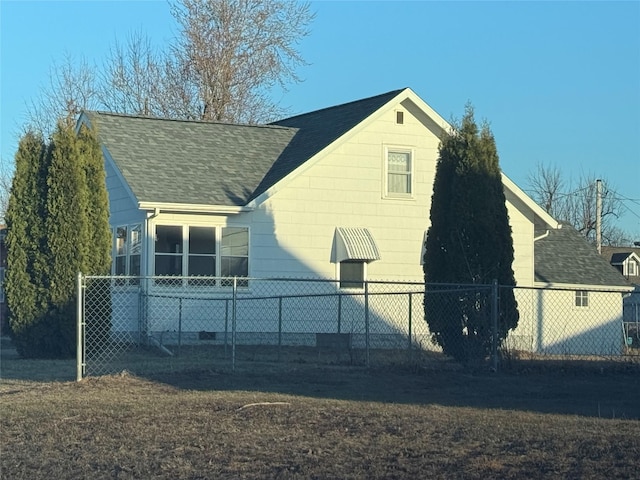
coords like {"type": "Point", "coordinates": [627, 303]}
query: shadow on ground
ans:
{"type": "Point", "coordinates": [595, 391]}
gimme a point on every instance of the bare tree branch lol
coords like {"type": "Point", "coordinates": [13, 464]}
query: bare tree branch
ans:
{"type": "Point", "coordinates": [576, 205]}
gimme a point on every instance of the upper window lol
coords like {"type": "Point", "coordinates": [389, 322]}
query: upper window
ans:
{"type": "Point", "coordinates": [633, 268]}
{"type": "Point", "coordinates": [582, 298]}
{"type": "Point", "coordinates": [399, 167]}
{"type": "Point", "coordinates": [196, 251]}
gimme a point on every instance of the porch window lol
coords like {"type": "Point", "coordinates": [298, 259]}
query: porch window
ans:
{"type": "Point", "coordinates": [199, 251]}
{"type": "Point", "coordinates": [169, 248]}
{"type": "Point", "coordinates": [582, 298]}
{"type": "Point", "coordinates": [235, 252]}
{"type": "Point", "coordinates": [127, 250]}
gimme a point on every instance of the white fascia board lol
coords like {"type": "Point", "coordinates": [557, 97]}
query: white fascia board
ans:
{"type": "Point", "coordinates": [528, 201]}
{"type": "Point", "coordinates": [194, 208]}
{"type": "Point", "coordinates": [407, 93]}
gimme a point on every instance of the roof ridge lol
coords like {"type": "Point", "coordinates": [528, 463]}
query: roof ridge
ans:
{"type": "Point", "coordinates": [190, 121]}
{"type": "Point", "coordinates": [340, 105]}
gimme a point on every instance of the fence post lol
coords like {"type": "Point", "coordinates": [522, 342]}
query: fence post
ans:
{"type": "Point", "coordinates": [339, 313]}
{"type": "Point", "coordinates": [279, 326]}
{"type": "Point", "coordinates": [233, 325]}
{"type": "Point", "coordinates": [494, 325]}
{"type": "Point", "coordinates": [410, 318]}
{"type": "Point", "coordinates": [79, 329]}
{"type": "Point", "coordinates": [179, 324]}
{"type": "Point", "coordinates": [366, 321]}
{"type": "Point", "coordinates": [226, 325]}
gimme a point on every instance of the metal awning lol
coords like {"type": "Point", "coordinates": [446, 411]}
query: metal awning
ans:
{"type": "Point", "coordinates": [355, 244]}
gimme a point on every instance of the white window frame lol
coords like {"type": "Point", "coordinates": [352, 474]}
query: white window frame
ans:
{"type": "Point", "coordinates": [581, 299]}
{"type": "Point", "coordinates": [632, 268]}
{"type": "Point", "coordinates": [389, 149]}
{"type": "Point", "coordinates": [185, 254]}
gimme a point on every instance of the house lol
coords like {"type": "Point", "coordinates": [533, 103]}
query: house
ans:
{"type": "Point", "coordinates": [341, 193]}
{"type": "Point", "coordinates": [576, 306]}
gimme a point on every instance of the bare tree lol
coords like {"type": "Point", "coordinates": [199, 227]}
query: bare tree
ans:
{"type": "Point", "coordinates": [546, 183]}
{"type": "Point", "coordinates": [575, 203]}
{"type": "Point", "coordinates": [72, 87]}
{"type": "Point", "coordinates": [228, 57]}
{"type": "Point", "coordinates": [6, 178]}
{"type": "Point", "coordinates": [234, 51]}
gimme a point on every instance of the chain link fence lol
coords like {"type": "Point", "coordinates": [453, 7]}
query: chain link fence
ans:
{"type": "Point", "coordinates": [159, 324]}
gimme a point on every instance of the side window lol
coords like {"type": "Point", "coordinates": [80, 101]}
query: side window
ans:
{"type": "Point", "coordinates": [127, 252]}
{"type": "Point", "coordinates": [582, 298]}
{"type": "Point", "coordinates": [120, 263]}
{"type": "Point", "coordinates": [135, 243]}
{"type": "Point", "coordinates": [352, 274]}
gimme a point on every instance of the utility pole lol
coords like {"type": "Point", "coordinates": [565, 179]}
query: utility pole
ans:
{"type": "Point", "coordinates": [599, 216]}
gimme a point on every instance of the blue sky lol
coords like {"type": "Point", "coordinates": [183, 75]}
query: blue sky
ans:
{"type": "Point", "coordinates": [559, 82]}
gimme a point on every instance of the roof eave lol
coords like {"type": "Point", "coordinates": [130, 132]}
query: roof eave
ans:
{"type": "Point", "coordinates": [591, 288]}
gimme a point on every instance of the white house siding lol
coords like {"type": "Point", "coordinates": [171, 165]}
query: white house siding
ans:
{"type": "Point", "coordinates": [551, 324]}
{"type": "Point", "coordinates": [122, 208]}
{"type": "Point", "coordinates": [521, 222]}
{"type": "Point", "coordinates": [345, 189]}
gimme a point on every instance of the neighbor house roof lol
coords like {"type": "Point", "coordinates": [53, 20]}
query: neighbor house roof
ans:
{"type": "Point", "coordinates": [563, 256]}
{"type": "Point", "coordinates": [194, 162]}
{"type": "Point", "coordinates": [618, 254]}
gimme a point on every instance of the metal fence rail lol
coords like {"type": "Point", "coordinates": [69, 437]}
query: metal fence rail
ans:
{"type": "Point", "coordinates": [147, 324]}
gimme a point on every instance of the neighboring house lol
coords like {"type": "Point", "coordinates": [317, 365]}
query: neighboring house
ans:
{"type": "Point", "coordinates": [342, 193]}
{"type": "Point", "coordinates": [627, 261]}
{"type": "Point", "coordinates": [578, 306]}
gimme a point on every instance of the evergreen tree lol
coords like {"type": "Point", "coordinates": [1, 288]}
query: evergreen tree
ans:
{"type": "Point", "coordinates": [468, 243]}
{"type": "Point", "coordinates": [67, 237]}
{"type": "Point", "coordinates": [99, 260]}
{"type": "Point", "coordinates": [26, 264]}
{"type": "Point", "coordinates": [58, 226]}
{"type": "Point", "coordinates": [98, 298]}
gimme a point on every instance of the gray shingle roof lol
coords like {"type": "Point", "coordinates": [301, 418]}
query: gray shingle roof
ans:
{"type": "Point", "coordinates": [564, 256]}
{"type": "Point", "coordinates": [206, 163]}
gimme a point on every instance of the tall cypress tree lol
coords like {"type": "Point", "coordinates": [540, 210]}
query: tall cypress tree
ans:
{"type": "Point", "coordinates": [58, 225]}
{"type": "Point", "coordinates": [26, 263]}
{"type": "Point", "coordinates": [469, 242]}
{"type": "Point", "coordinates": [99, 256]}
{"type": "Point", "coordinates": [98, 298]}
{"type": "Point", "coordinates": [67, 235]}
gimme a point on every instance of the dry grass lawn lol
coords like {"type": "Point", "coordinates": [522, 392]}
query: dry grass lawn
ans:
{"type": "Point", "coordinates": [321, 423]}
